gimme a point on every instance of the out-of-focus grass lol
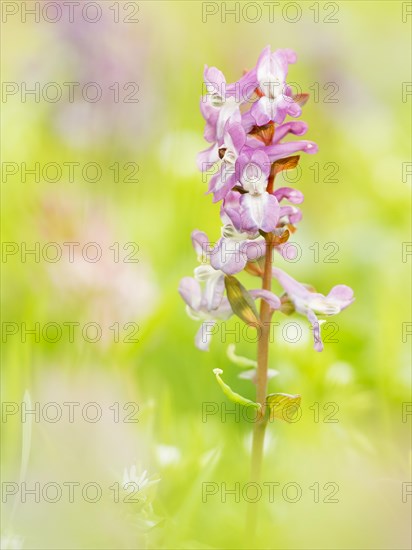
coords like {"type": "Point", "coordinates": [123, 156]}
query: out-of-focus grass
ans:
{"type": "Point", "coordinates": [366, 373]}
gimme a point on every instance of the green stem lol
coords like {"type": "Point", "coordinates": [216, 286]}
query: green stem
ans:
{"type": "Point", "coordinates": [261, 386]}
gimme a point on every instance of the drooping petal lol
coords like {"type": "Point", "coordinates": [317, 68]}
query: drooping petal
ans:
{"type": "Point", "coordinates": [339, 298]}
{"type": "Point", "coordinates": [224, 311]}
{"type": "Point", "coordinates": [266, 295]}
{"type": "Point", "coordinates": [310, 303]}
{"type": "Point", "coordinates": [290, 285]}
{"type": "Point", "coordinates": [292, 195]}
{"type": "Point", "coordinates": [214, 286]}
{"type": "Point", "coordinates": [189, 290]}
{"type": "Point", "coordinates": [204, 335]}
{"type": "Point", "coordinates": [318, 344]}
{"type": "Point", "coordinates": [201, 244]}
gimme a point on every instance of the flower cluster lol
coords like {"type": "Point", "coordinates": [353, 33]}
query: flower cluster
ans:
{"type": "Point", "coordinates": [246, 126]}
{"type": "Point", "coordinates": [245, 123]}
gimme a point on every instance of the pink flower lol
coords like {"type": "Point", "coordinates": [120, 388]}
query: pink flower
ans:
{"type": "Point", "coordinates": [245, 124]}
{"type": "Point", "coordinates": [258, 209]}
{"type": "Point", "coordinates": [198, 306]}
{"type": "Point", "coordinates": [234, 140]}
{"type": "Point", "coordinates": [246, 143]}
{"type": "Point", "coordinates": [235, 249]}
{"type": "Point", "coordinates": [204, 293]}
{"type": "Point", "coordinates": [218, 109]}
{"type": "Point", "coordinates": [310, 303]}
{"type": "Point", "coordinates": [276, 101]}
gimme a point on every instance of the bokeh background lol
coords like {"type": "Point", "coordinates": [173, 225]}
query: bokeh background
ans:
{"type": "Point", "coordinates": [148, 192]}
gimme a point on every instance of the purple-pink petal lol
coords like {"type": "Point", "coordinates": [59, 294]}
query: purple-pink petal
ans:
{"type": "Point", "coordinates": [282, 150]}
{"type": "Point", "coordinates": [342, 294]}
{"type": "Point", "coordinates": [292, 195]}
{"type": "Point", "coordinates": [289, 284]}
{"type": "Point", "coordinates": [228, 256]}
{"type": "Point", "coordinates": [189, 290]}
{"type": "Point", "coordinates": [288, 54]}
{"type": "Point", "coordinates": [257, 157]}
{"type": "Point", "coordinates": [266, 295]}
{"type": "Point", "coordinates": [235, 135]}
{"type": "Point", "coordinates": [244, 88]}
{"type": "Point", "coordinates": [263, 111]}
{"type": "Point", "coordinates": [295, 127]}
{"type": "Point", "coordinates": [222, 183]}
{"type": "Point", "coordinates": [317, 338]}
{"type": "Point", "coordinates": [215, 80]}
{"type": "Point", "coordinates": [200, 242]}
{"type": "Point", "coordinates": [254, 249]}
{"type": "Point", "coordinates": [231, 209]}
{"type": "Point", "coordinates": [207, 158]}
{"type": "Point", "coordinates": [259, 212]}
{"type": "Point", "coordinates": [293, 214]}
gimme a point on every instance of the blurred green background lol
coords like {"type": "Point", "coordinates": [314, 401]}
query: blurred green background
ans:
{"type": "Point", "coordinates": [148, 192]}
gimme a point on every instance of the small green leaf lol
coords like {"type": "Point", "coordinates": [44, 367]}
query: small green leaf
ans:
{"type": "Point", "coordinates": [283, 406]}
{"type": "Point", "coordinates": [241, 301]}
{"type": "Point", "coordinates": [233, 396]}
{"type": "Point", "coordinates": [242, 362]}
